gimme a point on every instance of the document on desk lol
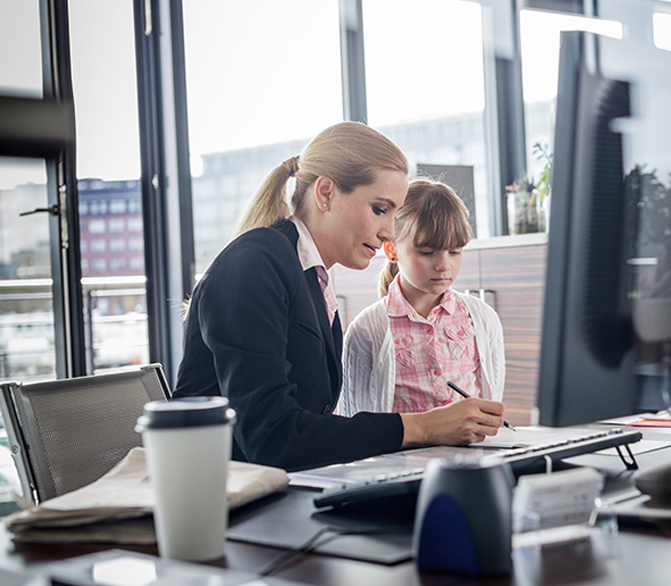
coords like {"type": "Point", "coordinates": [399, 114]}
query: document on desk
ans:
{"type": "Point", "coordinates": [531, 436]}
{"type": "Point", "coordinates": [640, 447]}
{"type": "Point", "coordinates": [526, 437]}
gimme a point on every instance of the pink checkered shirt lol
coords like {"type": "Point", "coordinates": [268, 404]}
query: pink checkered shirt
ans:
{"type": "Point", "coordinates": [430, 351]}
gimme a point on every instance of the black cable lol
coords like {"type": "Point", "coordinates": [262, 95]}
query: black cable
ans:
{"type": "Point", "coordinates": [273, 564]}
{"type": "Point", "coordinates": [314, 543]}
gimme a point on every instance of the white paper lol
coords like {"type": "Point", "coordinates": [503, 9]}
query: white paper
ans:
{"type": "Point", "coordinates": [532, 436]}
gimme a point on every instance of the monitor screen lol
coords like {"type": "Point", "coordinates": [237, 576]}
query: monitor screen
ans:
{"type": "Point", "coordinates": [606, 341]}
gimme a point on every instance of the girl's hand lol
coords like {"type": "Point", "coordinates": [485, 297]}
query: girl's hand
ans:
{"type": "Point", "coordinates": [456, 424]}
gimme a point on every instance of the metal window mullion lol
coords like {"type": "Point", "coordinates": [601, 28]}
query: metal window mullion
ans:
{"type": "Point", "coordinates": [176, 198]}
{"type": "Point", "coordinates": [352, 59]}
{"type": "Point", "coordinates": [511, 128]}
{"type": "Point", "coordinates": [188, 264]}
{"type": "Point", "coordinates": [504, 104]}
{"type": "Point", "coordinates": [62, 190]}
{"type": "Point", "coordinates": [149, 113]}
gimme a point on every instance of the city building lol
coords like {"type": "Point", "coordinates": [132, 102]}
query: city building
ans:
{"type": "Point", "coordinates": [110, 220]}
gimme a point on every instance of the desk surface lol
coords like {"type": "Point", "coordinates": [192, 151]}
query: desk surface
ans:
{"type": "Point", "coordinates": [641, 557]}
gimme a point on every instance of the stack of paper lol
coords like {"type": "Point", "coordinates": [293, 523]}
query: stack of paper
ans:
{"type": "Point", "coordinates": [118, 507]}
{"type": "Point", "coordinates": [659, 419]}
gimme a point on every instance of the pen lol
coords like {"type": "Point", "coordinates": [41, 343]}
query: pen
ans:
{"type": "Point", "coordinates": [465, 395]}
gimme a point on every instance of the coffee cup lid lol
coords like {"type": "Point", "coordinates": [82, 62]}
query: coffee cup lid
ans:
{"type": "Point", "coordinates": [186, 412]}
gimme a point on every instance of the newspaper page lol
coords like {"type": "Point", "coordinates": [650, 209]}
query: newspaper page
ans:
{"type": "Point", "coordinates": [118, 507]}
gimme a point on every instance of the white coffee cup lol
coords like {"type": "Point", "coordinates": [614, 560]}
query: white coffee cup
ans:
{"type": "Point", "coordinates": [188, 445]}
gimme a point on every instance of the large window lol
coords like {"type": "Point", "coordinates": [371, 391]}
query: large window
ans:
{"type": "Point", "coordinates": [26, 313]}
{"type": "Point", "coordinates": [661, 28]}
{"type": "Point", "coordinates": [20, 48]}
{"type": "Point", "coordinates": [262, 79]}
{"type": "Point", "coordinates": [540, 36]}
{"type": "Point", "coordinates": [108, 168]}
{"type": "Point", "coordinates": [425, 86]}
{"type": "Point", "coordinates": [105, 89]}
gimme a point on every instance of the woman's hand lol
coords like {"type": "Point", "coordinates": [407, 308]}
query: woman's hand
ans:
{"type": "Point", "coordinates": [456, 424]}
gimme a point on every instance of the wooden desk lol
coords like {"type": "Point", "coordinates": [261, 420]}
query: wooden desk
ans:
{"type": "Point", "coordinates": [642, 558]}
{"type": "Point", "coordinates": [642, 555]}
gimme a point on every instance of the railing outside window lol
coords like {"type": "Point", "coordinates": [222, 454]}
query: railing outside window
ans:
{"type": "Point", "coordinates": [115, 314]}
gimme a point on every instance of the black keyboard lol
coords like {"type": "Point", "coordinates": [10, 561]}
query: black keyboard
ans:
{"type": "Point", "coordinates": [522, 460]}
{"type": "Point", "coordinates": [559, 449]}
{"type": "Point", "coordinates": [382, 486]}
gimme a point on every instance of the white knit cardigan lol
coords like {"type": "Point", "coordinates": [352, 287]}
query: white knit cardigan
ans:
{"type": "Point", "coordinates": [369, 365]}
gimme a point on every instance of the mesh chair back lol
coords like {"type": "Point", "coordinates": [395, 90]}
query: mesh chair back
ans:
{"type": "Point", "coordinates": [66, 433]}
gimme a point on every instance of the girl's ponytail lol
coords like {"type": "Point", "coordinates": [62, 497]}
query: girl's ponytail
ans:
{"type": "Point", "coordinates": [389, 271]}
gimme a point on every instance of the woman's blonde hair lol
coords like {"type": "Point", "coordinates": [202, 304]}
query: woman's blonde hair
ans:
{"type": "Point", "coordinates": [434, 216]}
{"type": "Point", "coordinates": [349, 153]}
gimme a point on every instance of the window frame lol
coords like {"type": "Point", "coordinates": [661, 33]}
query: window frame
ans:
{"type": "Point", "coordinates": [44, 129]}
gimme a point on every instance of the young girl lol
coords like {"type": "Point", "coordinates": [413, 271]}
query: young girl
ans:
{"type": "Point", "coordinates": [400, 352]}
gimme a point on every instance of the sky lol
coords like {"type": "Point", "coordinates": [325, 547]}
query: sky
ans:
{"type": "Point", "coordinates": [262, 71]}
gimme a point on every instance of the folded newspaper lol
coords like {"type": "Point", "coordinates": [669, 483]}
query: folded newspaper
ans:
{"type": "Point", "coordinates": [118, 507]}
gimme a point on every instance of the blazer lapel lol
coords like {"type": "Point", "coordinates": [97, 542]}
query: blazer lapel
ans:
{"type": "Point", "coordinates": [332, 334]}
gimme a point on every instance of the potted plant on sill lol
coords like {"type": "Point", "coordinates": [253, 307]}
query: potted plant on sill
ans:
{"type": "Point", "coordinates": [528, 209]}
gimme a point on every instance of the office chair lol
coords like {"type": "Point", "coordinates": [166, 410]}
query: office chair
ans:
{"type": "Point", "coordinates": [66, 433]}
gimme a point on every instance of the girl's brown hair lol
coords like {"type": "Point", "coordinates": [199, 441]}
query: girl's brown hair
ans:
{"type": "Point", "coordinates": [349, 153]}
{"type": "Point", "coordinates": [434, 216]}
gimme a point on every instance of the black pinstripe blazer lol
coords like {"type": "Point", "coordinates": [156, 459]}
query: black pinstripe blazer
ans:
{"type": "Point", "coordinates": [257, 331]}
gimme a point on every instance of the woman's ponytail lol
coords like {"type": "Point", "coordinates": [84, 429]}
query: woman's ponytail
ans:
{"type": "Point", "coordinates": [269, 204]}
{"type": "Point", "coordinates": [349, 153]}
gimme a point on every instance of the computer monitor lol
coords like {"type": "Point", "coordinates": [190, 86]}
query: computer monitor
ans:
{"type": "Point", "coordinates": [606, 340]}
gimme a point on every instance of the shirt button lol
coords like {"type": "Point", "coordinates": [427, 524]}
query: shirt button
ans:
{"type": "Point", "coordinates": [397, 341]}
{"type": "Point", "coordinates": [436, 372]}
{"type": "Point", "coordinates": [461, 332]}
{"type": "Point", "coordinates": [327, 410]}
